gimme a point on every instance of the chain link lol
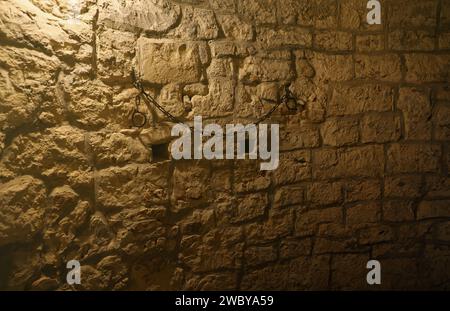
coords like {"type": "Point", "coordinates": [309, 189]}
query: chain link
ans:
{"type": "Point", "coordinates": [288, 99]}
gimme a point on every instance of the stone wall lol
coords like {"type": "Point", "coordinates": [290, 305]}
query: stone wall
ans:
{"type": "Point", "coordinates": [363, 171]}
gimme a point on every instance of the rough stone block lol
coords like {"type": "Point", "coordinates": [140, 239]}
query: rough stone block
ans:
{"type": "Point", "coordinates": [404, 13]}
{"type": "Point", "coordinates": [433, 209]}
{"type": "Point", "coordinates": [334, 41]}
{"type": "Point", "coordinates": [427, 68]}
{"type": "Point", "coordinates": [349, 100]}
{"type": "Point", "coordinates": [378, 67]}
{"type": "Point", "coordinates": [413, 158]}
{"type": "Point", "coordinates": [236, 29]}
{"type": "Point", "coordinates": [162, 61]}
{"type": "Point", "coordinates": [380, 128]}
{"type": "Point", "coordinates": [259, 11]}
{"type": "Point", "coordinates": [398, 211]}
{"type": "Point", "coordinates": [363, 213]}
{"type": "Point", "coordinates": [152, 16]}
{"type": "Point", "coordinates": [324, 193]}
{"type": "Point", "coordinates": [366, 161]}
{"type": "Point", "coordinates": [362, 190]}
{"type": "Point", "coordinates": [307, 222]}
{"type": "Point", "coordinates": [258, 69]}
{"type": "Point", "coordinates": [271, 38]}
{"type": "Point", "coordinates": [416, 107]}
{"type": "Point", "coordinates": [340, 132]}
{"type": "Point", "coordinates": [22, 213]}
{"type": "Point", "coordinates": [405, 186]}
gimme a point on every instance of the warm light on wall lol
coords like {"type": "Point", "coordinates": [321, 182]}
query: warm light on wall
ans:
{"type": "Point", "coordinates": [74, 10]}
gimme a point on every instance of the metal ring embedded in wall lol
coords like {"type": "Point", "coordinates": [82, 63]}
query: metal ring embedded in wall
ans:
{"type": "Point", "coordinates": [290, 100]}
{"type": "Point", "coordinates": [135, 119]}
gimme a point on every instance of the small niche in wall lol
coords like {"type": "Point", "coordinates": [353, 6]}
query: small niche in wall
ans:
{"type": "Point", "coordinates": [160, 152]}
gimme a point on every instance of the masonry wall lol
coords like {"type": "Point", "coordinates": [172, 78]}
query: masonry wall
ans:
{"type": "Point", "coordinates": [364, 165]}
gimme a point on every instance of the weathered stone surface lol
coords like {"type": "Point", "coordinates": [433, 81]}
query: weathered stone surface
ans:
{"type": "Point", "coordinates": [24, 97]}
{"type": "Point", "coordinates": [117, 149]}
{"type": "Point", "coordinates": [247, 177]}
{"type": "Point", "coordinates": [441, 118]}
{"type": "Point", "coordinates": [256, 101]}
{"type": "Point", "coordinates": [321, 14]}
{"type": "Point", "coordinates": [353, 15]}
{"type": "Point", "coordinates": [171, 100]}
{"type": "Point", "coordinates": [303, 135]}
{"type": "Point", "coordinates": [307, 222]}
{"type": "Point", "coordinates": [225, 243]}
{"type": "Point", "coordinates": [258, 69]}
{"type": "Point", "coordinates": [363, 213]}
{"type": "Point", "coordinates": [22, 214]}
{"type": "Point", "coordinates": [197, 24]}
{"type": "Point", "coordinates": [369, 43]}
{"type": "Point", "coordinates": [334, 40]}
{"type": "Point", "coordinates": [444, 40]}
{"type": "Point", "coordinates": [25, 23]}
{"type": "Point", "coordinates": [349, 271]}
{"type": "Point", "coordinates": [379, 68]}
{"type": "Point", "coordinates": [132, 186]}
{"type": "Point", "coordinates": [216, 281]}
{"type": "Point", "coordinates": [295, 166]}
{"type": "Point", "coordinates": [398, 211]}
{"type": "Point", "coordinates": [258, 255]}
{"type": "Point", "coordinates": [291, 248]}
{"type": "Point", "coordinates": [437, 186]}
{"type": "Point", "coordinates": [64, 197]}
{"type": "Point", "coordinates": [419, 40]}
{"type": "Point", "coordinates": [332, 67]}
{"type": "Point", "coordinates": [226, 6]}
{"type": "Point", "coordinates": [324, 193]}
{"type": "Point", "coordinates": [221, 68]}
{"type": "Point", "coordinates": [166, 61]}
{"type": "Point", "coordinates": [17, 109]}
{"type": "Point", "coordinates": [279, 224]}
{"type": "Point", "coordinates": [348, 100]}
{"type": "Point", "coordinates": [152, 16]}
{"type": "Point", "coordinates": [190, 185]}
{"type": "Point", "coordinates": [298, 274]}
{"type": "Point", "coordinates": [218, 102]}
{"type": "Point", "coordinates": [234, 28]}
{"type": "Point", "coordinates": [427, 68]}
{"type": "Point", "coordinates": [115, 51]}
{"type": "Point", "coordinates": [433, 209]}
{"type": "Point", "coordinates": [416, 107]}
{"type": "Point", "coordinates": [270, 38]}
{"type": "Point", "coordinates": [289, 195]}
{"type": "Point", "coordinates": [250, 207]}
{"type": "Point", "coordinates": [364, 161]}
{"type": "Point", "coordinates": [54, 153]}
{"type": "Point", "coordinates": [261, 11]}
{"type": "Point", "coordinates": [362, 190]}
{"type": "Point", "coordinates": [380, 128]}
{"type": "Point", "coordinates": [412, 158]}
{"type": "Point", "coordinates": [407, 186]}
{"type": "Point", "coordinates": [417, 14]}
{"type": "Point", "coordinates": [88, 101]}
{"type": "Point", "coordinates": [340, 132]}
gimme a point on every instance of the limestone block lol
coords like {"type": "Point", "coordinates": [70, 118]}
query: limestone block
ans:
{"type": "Point", "coordinates": [198, 24]}
{"type": "Point", "coordinates": [166, 61]}
{"type": "Point", "coordinates": [132, 186]}
{"type": "Point", "coordinates": [145, 15]}
{"type": "Point", "coordinates": [22, 202]}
